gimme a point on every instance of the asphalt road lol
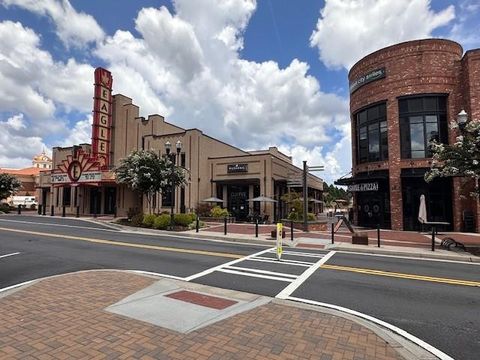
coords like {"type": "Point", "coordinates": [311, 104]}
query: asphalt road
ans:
{"type": "Point", "coordinates": [420, 296]}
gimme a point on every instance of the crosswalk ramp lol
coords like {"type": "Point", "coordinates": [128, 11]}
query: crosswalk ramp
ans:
{"type": "Point", "coordinates": [263, 270]}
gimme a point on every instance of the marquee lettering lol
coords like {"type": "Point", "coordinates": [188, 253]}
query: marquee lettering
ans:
{"type": "Point", "coordinates": [102, 117]}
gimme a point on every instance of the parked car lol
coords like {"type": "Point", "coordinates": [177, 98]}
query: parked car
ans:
{"type": "Point", "coordinates": [24, 201]}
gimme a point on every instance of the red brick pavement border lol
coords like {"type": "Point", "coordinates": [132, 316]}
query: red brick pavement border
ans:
{"type": "Point", "coordinates": [63, 318]}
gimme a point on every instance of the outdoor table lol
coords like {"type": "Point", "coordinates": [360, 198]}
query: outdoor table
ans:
{"type": "Point", "coordinates": [434, 229]}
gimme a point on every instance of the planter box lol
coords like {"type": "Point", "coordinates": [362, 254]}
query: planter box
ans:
{"type": "Point", "coordinates": [360, 238]}
{"type": "Point", "coordinates": [312, 225]}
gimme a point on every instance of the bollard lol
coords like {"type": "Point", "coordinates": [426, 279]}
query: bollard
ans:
{"type": "Point", "coordinates": [77, 212]}
{"type": "Point", "coordinates": [197, 225]}
{"type": "Point", "coordinates": [433, 237]}
{"type": "Point", "coordinates": [52, 210]}
{"type": "Point", "coordinates": [114, 212]}
{"type": "Point", "coordinates": [95, 209]}
{"type": "Point", "coordinates": [19, 209]}
{"type": "Point", "coordinates": [256, 228]}
{"type": "Point", "coordinates": [39, 209]}
{"type": "Point", "coordinates": [291, 230]}
{"type": "Point", "coordinates": [63, 211]}
{"type": "Point", "coordinates": [44, 210]}
{"type": "Point", "coordinates": [378, 235]}
{"type": "Point", "coordinates": [333, 233]}
{"type": "Point", "coordinates": [225, 226]}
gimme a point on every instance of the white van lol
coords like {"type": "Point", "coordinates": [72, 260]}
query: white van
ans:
{"type": "Point", "coordinates": [24, 201]}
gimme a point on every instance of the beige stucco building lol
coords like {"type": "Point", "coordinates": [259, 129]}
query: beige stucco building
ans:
{"type": "Point", "coordinates": [215, 169]}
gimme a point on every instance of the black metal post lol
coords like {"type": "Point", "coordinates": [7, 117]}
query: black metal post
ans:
{"type": "Point", "coordinates": [95, 205]}
{"type": "Point", "coordinates": [197, 225]}
{"type": "Point", "coordinates": [63, 211]}
{"type": "Point", "coordinates": [378, 235]}
{"type": "Point", "coordinates": [172, 198]}
{"type": "Point", "coordinates": [291, 230]}
{"type": "Point", "coordinates": [225, 225]}
{"type": "Point", "coordinates": [77, 213]}
{"type": "Point", "coordinates": [333, 233]}
{"type": "Point", "coordinates": [19, 209]}
{"type": "Point", "coordinates": [433, 237]}
{"type": "Point", "coordinates": [52, 210]}
{"type": "Point", "coordinates": [114, 211]}
{"type": "Point", "coordinates": [256, 227]}
{"type": "Point", "coordinates": [305, 197]}
{"type": "Point", "coordinates": [39, 209]}
{"type": "Point", "coordinates": [44, 210]}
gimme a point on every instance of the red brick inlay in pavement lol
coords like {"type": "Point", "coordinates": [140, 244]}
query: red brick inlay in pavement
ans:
{"type": "Point", "coordinates": [201, 299]}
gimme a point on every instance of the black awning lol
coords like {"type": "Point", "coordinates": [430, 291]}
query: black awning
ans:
{"type": "Point", "coordinates": [362, 177]}
{"type": "Point", "coordinates": [414, 172]}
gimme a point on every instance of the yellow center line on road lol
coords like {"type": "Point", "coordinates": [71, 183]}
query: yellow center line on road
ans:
{"type": "Point", "coordinates": [402, 275]}
{"type": "Point", "coordinates": [126, 244]}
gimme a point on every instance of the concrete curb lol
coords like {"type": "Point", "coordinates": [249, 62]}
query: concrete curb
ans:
{"type": "Point", "coordinates": [466, 258]}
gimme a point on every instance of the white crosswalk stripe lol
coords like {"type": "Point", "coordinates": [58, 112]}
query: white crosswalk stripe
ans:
{"type": "Point", "coordinates": [249, 269]}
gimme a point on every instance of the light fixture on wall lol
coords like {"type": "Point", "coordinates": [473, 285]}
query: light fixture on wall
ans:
{"type": "Point", "coordinates": [462, 118]}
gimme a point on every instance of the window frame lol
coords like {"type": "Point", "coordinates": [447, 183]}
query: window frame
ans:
{"type": "Point", "coordinates": [405, 114]}
{"type": "Point", "coordinates": [362, 121]}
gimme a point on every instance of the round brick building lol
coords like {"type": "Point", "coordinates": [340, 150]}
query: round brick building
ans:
{"type": "Point", "coordinates": [402, 97]}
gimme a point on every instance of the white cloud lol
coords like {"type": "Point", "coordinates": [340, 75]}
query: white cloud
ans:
{"type": "Point", "coordinates": [72, 27]}
{"type": "Point", "coordinates": [465, 27]}
{"type": "Point", "coordinates": [34, 84]}
{"type": "Point", "coordinates": [81, 133]}
{"type": "Point", "coordinates": [204, 83]}
{"type": "Point", "coordinates": [18, 147]}
{"type": "Point", "coordinates": [347, 30]}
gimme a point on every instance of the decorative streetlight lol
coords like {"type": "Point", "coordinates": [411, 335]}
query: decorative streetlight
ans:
{"type": "Point", "coordinates": [462, 118]}
{"type": "Point", "coordinates": [168, 148]}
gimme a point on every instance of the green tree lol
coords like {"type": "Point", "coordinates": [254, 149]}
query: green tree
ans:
{"type": "Point", "coordinates": [462, 158]}
{"type": "Point", "coordinates": [146, 172]}
{"type": "Point", "coordinates": [9, 185]}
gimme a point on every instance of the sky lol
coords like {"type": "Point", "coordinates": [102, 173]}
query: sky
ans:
{"type": "Point", "coordinates": [252, 73]}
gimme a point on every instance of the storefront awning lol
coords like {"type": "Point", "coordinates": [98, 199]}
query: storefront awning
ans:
{"type": "Point", "coordinates": [362, 177]}
{"type": "Point", "coordinates": [418, 172]}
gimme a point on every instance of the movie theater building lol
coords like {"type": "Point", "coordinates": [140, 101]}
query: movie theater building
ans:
{"type": "Point", "coordinates": [401, 97]}
{"type": "Point", "coordinates": [83, 175]}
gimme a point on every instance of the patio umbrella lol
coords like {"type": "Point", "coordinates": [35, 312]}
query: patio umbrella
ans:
{"type": "Point", "coordinates": [212, 199]}
{"type": "Point", "coordinates": [263, 199]}
{"type": "Point", "coordinates": [422, 210]}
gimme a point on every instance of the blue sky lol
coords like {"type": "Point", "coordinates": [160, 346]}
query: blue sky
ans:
{"type": "Point", "coordinates": [252, 73]}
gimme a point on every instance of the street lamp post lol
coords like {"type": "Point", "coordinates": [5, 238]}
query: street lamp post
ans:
{"type": "Point", "coordinates": [168, 148]}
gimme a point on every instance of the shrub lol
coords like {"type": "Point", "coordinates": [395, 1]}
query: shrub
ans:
{"type": "Point", "coordinates": [148, 220]}
{"type": "Point", "coordinates": [132, 212]}
{"type": "Point", "coordinates": [295, 216]}
{"type": "Point", "coordinates": [204, 209]}
{"type": "Point", "coordinates": [161, 222]}
{"type": "Point", "coordinates": [182, 219]}
{"type": "Point", "coordinates": [193, 225]}
{"type": "Point", "coordinates": [218, 212]}
{"type": "Point", "coordinates": [137, 220]}
{"type": "Point", "coordinates": [193, 216]}
{"type": "Point", "coordinates": [5, 208]}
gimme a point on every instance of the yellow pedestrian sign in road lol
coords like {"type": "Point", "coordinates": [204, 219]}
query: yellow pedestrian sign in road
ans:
{"type": "Point", "coordinates": [279, 241]}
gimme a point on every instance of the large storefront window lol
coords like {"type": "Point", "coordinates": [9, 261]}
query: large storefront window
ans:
{"type": "Point", "coordinates": [422, 119]}
{"type": "Point", "coordinates": [372, 140]}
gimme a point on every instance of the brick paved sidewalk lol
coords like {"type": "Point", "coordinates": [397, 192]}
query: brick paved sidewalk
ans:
{"type": "Point", "coordinates": [63, 318]}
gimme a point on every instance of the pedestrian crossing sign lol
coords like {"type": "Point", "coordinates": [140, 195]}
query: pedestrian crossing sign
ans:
{"type": "Point", "coordinates": [279, 240]}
